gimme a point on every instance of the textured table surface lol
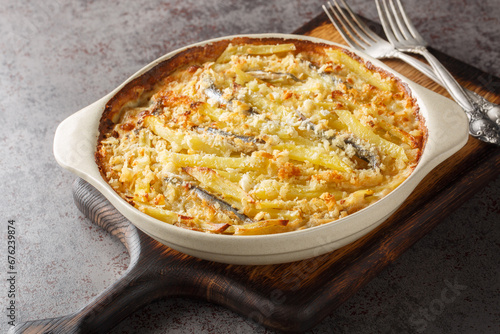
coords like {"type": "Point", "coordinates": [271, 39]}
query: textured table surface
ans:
{"type": "Point", "coordinates": [59, 56]}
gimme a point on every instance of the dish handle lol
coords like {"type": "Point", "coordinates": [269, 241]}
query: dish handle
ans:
{"type": "Point", "coordinates": [75, 140]}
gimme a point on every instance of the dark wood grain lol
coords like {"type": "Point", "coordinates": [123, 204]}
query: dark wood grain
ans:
{"type": "Point", "coordinates": [290, 297]}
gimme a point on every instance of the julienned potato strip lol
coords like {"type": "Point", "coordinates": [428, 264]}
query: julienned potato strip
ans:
{"type": "Point", "coordinates": [253, 50]}
{"type": "Point", "coordinates": [371, 77]}
{"type": "Point", "coordinates": [251, 163]}
{"type": "Point", "coordinates": [274, 150]}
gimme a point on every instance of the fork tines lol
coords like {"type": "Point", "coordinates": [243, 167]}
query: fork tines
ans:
{"type": "Point", "coordinates": [354, 31]}
{"type": "Point", "coordinates": [397, 25]}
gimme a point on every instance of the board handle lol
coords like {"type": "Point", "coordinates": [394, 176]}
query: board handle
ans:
{"type": "Point", "coordinates": [100, 211]}
{"type": "Point", "coordinates": [136, 288]}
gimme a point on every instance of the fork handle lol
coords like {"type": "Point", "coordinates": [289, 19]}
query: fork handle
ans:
{"type": "Point", "coordinates": [451, 85]}
{"type": "Point", "coordinates": [422, 67]}
{"type": "Point", "coordinates": [492, 110]}
{"type": "Point", "coordinates": [480, 124]}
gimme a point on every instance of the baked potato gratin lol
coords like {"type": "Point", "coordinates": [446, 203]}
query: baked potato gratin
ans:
{"type": "Point", "coordinates": [259, 136]}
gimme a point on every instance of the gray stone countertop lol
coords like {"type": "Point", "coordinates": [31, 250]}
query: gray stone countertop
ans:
{"type": "Point", "coordinates": [59, 56]}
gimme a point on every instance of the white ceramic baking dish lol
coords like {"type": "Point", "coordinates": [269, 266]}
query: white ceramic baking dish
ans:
{"type": "Point", "coordinates": [76, 139]}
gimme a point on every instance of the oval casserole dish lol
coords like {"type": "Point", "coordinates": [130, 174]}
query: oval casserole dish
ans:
{"type": "Point", "coordinates": [77, 137]}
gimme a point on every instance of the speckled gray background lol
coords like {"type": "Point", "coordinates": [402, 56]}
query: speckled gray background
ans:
{"type": "Point", "coordinates": [59, 56]}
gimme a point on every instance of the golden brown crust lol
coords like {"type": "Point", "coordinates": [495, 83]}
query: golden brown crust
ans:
{"type": "Point", "coordinates": [355, 188]}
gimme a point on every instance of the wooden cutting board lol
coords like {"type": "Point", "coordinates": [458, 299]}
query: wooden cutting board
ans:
{"type": "Point", "coordinates": [290, 297]}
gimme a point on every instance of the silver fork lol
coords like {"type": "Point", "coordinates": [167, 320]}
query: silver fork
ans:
{"type": "Point", "coordinates": [403, 35]}
{"type": "Point", "coordinates": [359, 36]}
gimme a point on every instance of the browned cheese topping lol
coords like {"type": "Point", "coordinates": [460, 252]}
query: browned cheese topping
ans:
{"type": "Point", "coordinates": [263, 138]}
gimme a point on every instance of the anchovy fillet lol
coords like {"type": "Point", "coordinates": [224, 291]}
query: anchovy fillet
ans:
{"type": "Point", "coordinates": [246, 139]}
{"type": "Point", "coordinates": [212, 199]}
{"type": "Point", "coordinates": [360, 151]}
{"type": "Point", "coordinates": [214, 93]}
{"type": "Point", "coordinates": [266, 75]}
{"type": "Point", "coordinates": [335, 78]}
